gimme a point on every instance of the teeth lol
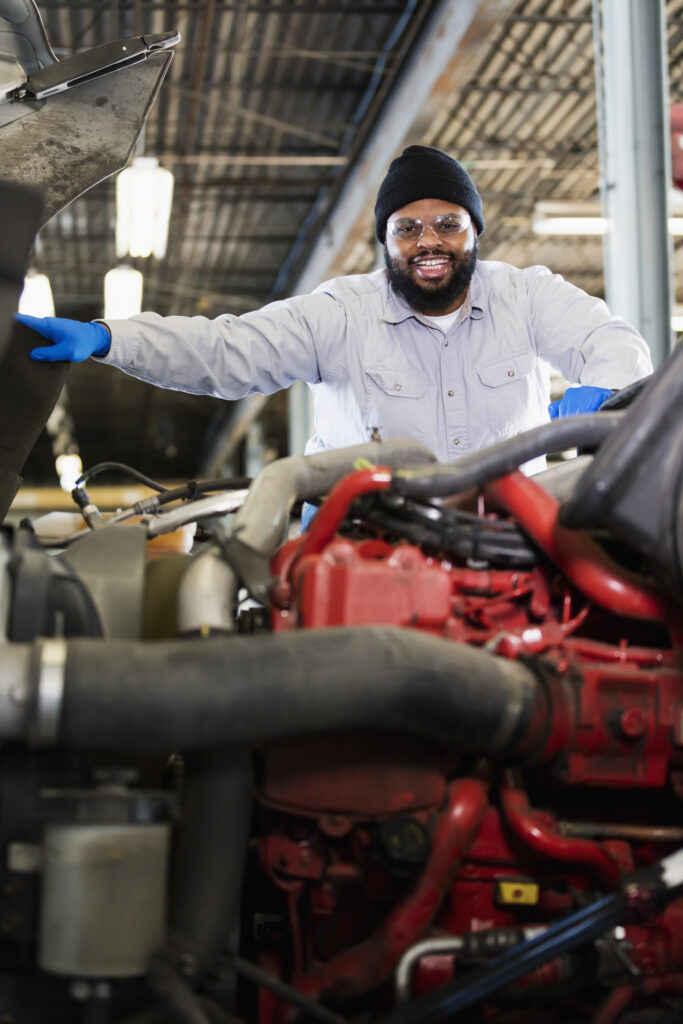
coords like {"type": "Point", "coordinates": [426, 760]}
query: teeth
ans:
{"type": "Point", "coordinates": [431, 263]}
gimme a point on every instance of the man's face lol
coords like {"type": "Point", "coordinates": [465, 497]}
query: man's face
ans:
{"type": "Point", "coordinates": [431, 272]}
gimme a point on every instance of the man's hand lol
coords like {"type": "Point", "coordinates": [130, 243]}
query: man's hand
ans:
{"type": "Point", "coordinates": [71, 340]}
{"type": "Point", "coordinates": [578, 400]}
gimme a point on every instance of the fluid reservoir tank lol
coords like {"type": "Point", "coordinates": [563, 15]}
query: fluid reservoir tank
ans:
{"type": "Point", "coordinates": [104, 880]}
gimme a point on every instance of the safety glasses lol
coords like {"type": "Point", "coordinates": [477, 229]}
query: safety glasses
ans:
{"type": "Point", "coordinates": [448, 225]}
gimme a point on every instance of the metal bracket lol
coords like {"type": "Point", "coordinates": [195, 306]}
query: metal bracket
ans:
{"type": "Point", "coordinates": [95, 63]}
{"type": "Point", "coordinates": [44, 730]}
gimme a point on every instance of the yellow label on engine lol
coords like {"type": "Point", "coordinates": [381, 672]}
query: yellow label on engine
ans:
{"type": "Point", "coordinates": [517, 892]}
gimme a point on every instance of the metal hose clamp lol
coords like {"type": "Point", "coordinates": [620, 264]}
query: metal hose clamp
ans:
{"type": "Point", "coordinates": [50, 692]}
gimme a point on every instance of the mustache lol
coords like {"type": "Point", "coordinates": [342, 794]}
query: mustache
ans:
{"type": "Point", "coordinates": [420, 256]}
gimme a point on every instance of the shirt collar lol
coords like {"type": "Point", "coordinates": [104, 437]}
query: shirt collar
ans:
{"type": "Point", "coordinates": [396, 309]}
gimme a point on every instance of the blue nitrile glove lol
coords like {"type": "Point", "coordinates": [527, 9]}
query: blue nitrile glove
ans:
{"type": "Point", "coordinates": [71, 339]}
{"type": "Point", "coordinates": [577, 400]}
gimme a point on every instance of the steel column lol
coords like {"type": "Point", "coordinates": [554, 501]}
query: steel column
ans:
{"type": "Point", "coordinates": [635, 164]}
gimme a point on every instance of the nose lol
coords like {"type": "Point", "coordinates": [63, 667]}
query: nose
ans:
{"type": "Point", "coordinates": [428, 241]}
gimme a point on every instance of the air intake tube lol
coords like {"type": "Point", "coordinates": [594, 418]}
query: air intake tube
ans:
{"type": "Point", "coordinates": [188, 696]}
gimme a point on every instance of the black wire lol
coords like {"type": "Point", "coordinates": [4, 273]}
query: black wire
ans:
{"type": "Point", "coordinates": [189, 490]}
{"type": "Point", "coordinates": [101, 467]}
{"type": "Point", "coordinates": [195, 487]}
{"type": "Point", "coordinates": [499, 542]}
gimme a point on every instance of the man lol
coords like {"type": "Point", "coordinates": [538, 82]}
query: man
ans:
{"type": "Point", "coordinates": [437, 346]}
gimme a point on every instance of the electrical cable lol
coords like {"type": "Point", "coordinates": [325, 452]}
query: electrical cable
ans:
{"type": "Point", "coordinates": [499, 542]}
{"type": "Point", "coordinates": [195, 487]}
{"type": "Point", "coordinates": [102, 467]}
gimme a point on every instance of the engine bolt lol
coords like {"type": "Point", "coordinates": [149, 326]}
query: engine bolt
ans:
{"type": "Point", "coordinates": [633, 723]}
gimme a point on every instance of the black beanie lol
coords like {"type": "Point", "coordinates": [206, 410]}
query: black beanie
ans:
{"type": "Point", "coordinates": [421, 172]}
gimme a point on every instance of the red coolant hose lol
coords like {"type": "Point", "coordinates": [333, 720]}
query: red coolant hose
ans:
{"type": "Point", "coordinates": [525, 823]}
{"type": "Point", "coordinates": [585, 563]}
{"type": "Point", "coordinates": [336, 505]}
{"type": "Point", "coordinates": [357, 970]}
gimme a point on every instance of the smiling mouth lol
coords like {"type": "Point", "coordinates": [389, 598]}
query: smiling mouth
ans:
{"type": "Point", "coordinates": [431, 267]}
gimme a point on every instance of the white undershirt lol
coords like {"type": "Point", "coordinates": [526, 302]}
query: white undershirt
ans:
{"type": "Point", "coordinates": [445, 322]}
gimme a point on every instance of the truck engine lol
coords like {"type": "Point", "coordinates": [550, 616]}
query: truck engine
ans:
{"type": "Point", "coordinates": [421, 763]}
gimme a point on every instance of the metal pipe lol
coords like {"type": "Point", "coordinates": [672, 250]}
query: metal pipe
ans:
{"type": "Point", "coordinates": [635, 833]}
{"type": "Point", "coordinates": [412, 956]}
{"type": "Point", "coordinates": [503, 938]}
{"type": "Point", "coordinates": [195, 511]}
{"type": "Point", "coordinates": [206, 595]}
{"type": "Point", "coordinates": [523, 821]}
{"type": "Point", "coordinates": [445, 1003]}
{"type": "Point", "coordinates": [261, 521]}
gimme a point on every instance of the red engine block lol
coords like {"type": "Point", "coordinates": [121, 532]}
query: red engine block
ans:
{"type": "Point", "coordinates": [609, 652]}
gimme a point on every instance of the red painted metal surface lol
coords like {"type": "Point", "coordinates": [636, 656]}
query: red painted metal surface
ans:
{"type": "Point", "coordinates": [573, 551]}
{"type": "Point", "coordinates": [627, 726]}
{"type": "Point", "coordinates": [356, 584]}
{"type": "Point", "coordinates": [644, 989]}
{"type": "Point", "coordinates": [361, 776]}
{"type": "Point", "coordinates": [531, 829]}
{"type": "Point", "coordinates": [357, 970]}
{"type": "Point", "coordinates": [337, 504]}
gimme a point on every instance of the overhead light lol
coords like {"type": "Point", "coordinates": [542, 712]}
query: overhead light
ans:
{"type": "Point", "coordinates": [122, 293]}
{"type": "Point", "coordinates": [36, 298]}
{"type": "Point", "coordinates": [570, 217]}
{"type": "Point", "coordinates": [69, 467]}
{"type": "Point", "coordinates": [569, 225]}
{"type": "Point", "coordinates": [144, 196]}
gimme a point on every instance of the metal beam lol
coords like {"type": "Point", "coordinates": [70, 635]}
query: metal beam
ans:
{"type": "Point", "coordinates": [440, 64]}
{"type": "Point", "coordinates": [636, 165]}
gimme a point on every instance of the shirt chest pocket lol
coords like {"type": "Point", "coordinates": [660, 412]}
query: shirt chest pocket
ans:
{"type": "Point", "coordinates": [395, 402]}
{"type": "Point", "coordinates": [506, 386]}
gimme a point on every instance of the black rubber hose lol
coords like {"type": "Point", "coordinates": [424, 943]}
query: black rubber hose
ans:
{"type": "Point", "coordinates": [477, 985]}
{"type": "Point", "coordinates": [480, 468]}
{"type": "Point", "coordinates": [655, 411]}
{"type": "Point", "coordinates": [187, 695]}
{"type": "Point", "coordinates": [620, 399]}
{"type": "Point", "coordinates": [211, 854]}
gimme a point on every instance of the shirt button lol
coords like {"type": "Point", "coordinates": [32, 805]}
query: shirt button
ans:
{"type": "Point", "coordinates": [511, 373]}
{"type": "Point", "coordinates": [450, 394]}
{"type": "Point", "coordinates": [456, 440]}
{"type": "Point", "coordinates": [445, 344]}
{"type": "Point", "coordinates": [397, 387]}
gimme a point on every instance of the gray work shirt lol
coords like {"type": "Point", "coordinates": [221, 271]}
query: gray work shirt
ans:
{"type": "Point", "coordinates": [373, 363]}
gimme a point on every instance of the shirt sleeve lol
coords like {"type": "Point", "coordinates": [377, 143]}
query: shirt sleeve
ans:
{"type": "Point", "coordinates": [576, 333]}
{"type": "Point", "coordinates": [232, 356]}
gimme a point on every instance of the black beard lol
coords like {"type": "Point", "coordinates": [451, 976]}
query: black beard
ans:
{"type": "Point", "coordinates": [437, 298]}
